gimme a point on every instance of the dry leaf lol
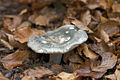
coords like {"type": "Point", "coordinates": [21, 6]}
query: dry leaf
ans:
{"type": "Point", "coordinates": [86, 17]}
{"type": "Point", "coordinates": [56, 68]}
{"type": "Point", "coordinates": [111, 77]}
{"type": "Point", "coordinates": [6, 44]}
{"type": "Point", "coordinates": [11, 25]}
{"type": "Point", "coordinates": [108, 62]}
{"type": "Point", "coordinates": [2, 77]}
{"type": "Point", "coordinates": [88, 53]}
{"type": "Point", "coordinates": [108, 29]}
{"type": "Point", "coordinates": [23, 33]}
{"type": "Point", "coordinates": [26, 1]}
{"type": "Point", "coordinates": [85, 70]}
{"type": "Point", "coordinates": [103, 4]}
{"type": "Point", "coordinates": [80, 25]}
{"type": "Point", "coordinates": [116, 7]}
{"type": "Point", "coordinates": [41, 20]}
{"type": "Point", "coordinates": [103, 19]}
{"type": "Point", "coordinates": [37, 72]}
{"type": "Point", "coordinates": [15, 59]}
{"type": "Point", "coordinates": [74, 65]}
{"type": "Point", "coordinates": [115, 76]}
{"type": "Point", "coordinates": [75, 58]}
{"type": "Point", "coordinates": [65, 76]}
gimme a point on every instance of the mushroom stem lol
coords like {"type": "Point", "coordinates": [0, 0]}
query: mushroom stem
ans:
{"type": "Point", "coordinates": [55, 58]}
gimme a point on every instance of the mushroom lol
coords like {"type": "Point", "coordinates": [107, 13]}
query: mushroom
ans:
{"type": "Point", "coordinates": [58, 42]}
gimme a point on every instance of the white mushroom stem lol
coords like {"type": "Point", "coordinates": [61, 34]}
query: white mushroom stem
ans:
{"type": "Point", "coordinates": [55, 58]}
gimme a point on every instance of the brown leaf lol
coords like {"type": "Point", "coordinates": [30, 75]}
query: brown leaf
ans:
{"type": "Point", "coordinates": [37, 72]}
{"type": "Point", "coordinates": [108, 62]}
{"type": "Point", "coordinates": [65, 76]}
{"type": "Point", "coordinates": [42, 21]}
{"type": "Point", "coordinates": [80, 25]}
{"type": "Point", "coordinates": [11, 25]}
{"type": "Point", "coordinates": [2, 77]}
{"type": "Point", "coordinates": [115, 76]}
{"type": "Point", "coordinates": [23, 33]}
{"type": "Point", "coordinates": [74, 66]}
{"type": "Point", "coordinates": [111, 77]}
{"type": "Point", "coordinates": [26, 1]}
{"type": "Point", "coordinates": [15, 43]}
{"type": "Point", "coordinates": [85, 70]}
{"type": "Point", "coordinates": [75, 58]}
{"type": "Point", "coordinates": [88, 53]}
{"type": "Point", "coordinates": [116, 7]}
{"type": "Point", "coordinates": [56, 68]}
{"type": "Point", "coordinates": [108, 29]}
{"type": "Point", "coordinates": [86, 17]}
{"type": "Point", "coordinates": [15, 59]}
{"type": "Point", "coordinates": [92, 4]}
{"type": "Point", "coordinates": [6, 44]}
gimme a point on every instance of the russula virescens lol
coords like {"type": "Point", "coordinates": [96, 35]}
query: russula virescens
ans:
{"type": "Point", "coordinates": [58, 41]}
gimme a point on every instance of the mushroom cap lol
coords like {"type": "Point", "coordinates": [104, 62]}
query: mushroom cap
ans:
{"type": "Point", "coordinates": [60, 40]}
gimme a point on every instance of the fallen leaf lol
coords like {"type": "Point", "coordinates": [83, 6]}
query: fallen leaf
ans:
{"type": "Point", "coordinates": [37, 72]}
{"type": "Point", "coordinates": [15, 59]}
{"type": "Point", "coordinates": [56, 68]}
{"type": "Point", "coordinates": [103, 19]}
{"type": "Point", "coordinates": [74, 66]}
{"type": "Point", "coordinates": [75, 58]}
{"type": "Point", "coordinates": [15, 43]}
{"type": "Point", "coordinates": [80, 25]}
{"type": "Point", "coordinates": [88, 53]}
{"type": "Point", "coordinates": [108, 29]}
{"type": "Point", "coordinates": [86, 17]}
{"type": "Point", "coordinates": [2, 77]}
{"type": "Point", "coordinates": [85, 70]}
{"type": "Point", "coordinates": [41, 20]}
{"type": "Point", "coordinates": [92, 4]}
{"type": "Point", "coordinates": [65, 76]}
{"type": "Point", "coordinates": [11, 25]}
{"type": "Point", "coordinates": [108, 62]}
{"type": "Point", "coordinates": [115, 76]}
{"type": "Point", "coordinates": [6, 44]}
{"type": "Point", "coordinates": [25, 1]}
{"type": "Point", "coordinates": [23, 33]}
{"type": "Point", "coordinates": [103, 4]}
{"type": "Point", "coordinates": [115, 7]}
{"type": "Point", "coordinates": [111, 76]}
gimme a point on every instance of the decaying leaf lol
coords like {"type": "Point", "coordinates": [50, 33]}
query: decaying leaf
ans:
{"type": "Point", "coordinates": [6, 44]}
{"type": "Point", "coordinates": [2, 77]}
{"type": "Point", "coordinates": [85, 70]}
{"type": "Point", "coordinates": [11, 25]}
{"type": "Point", "coordinates": [75, 58]}
{"type": "Point", "coordinates": [108, 61]}
{"type": "Point", "coordinates": [116, 7]}
{"type": "Point", "coordinates": [41, 20]}
{"type": "Point", "coordinates": [65, 76]}
{"type": "Point", "coordinates": [56, 68]}
{"type": "Point", "coordinates": [88, 53]}
{"type": "Point", "coordinates": [80, 25]}
{"type": "Point", "coordinates": [15, 59]}
{"type": "Point", "coordinates": [37, 72]}
{"type": "Point", "coordinates": [115, 76]}
{"type": "Point", "coordinates": [23, 33]}
{"type": "Point", "coordinates": [86, 17]}
{"type": "Point", "coordinates": [108, 29]}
